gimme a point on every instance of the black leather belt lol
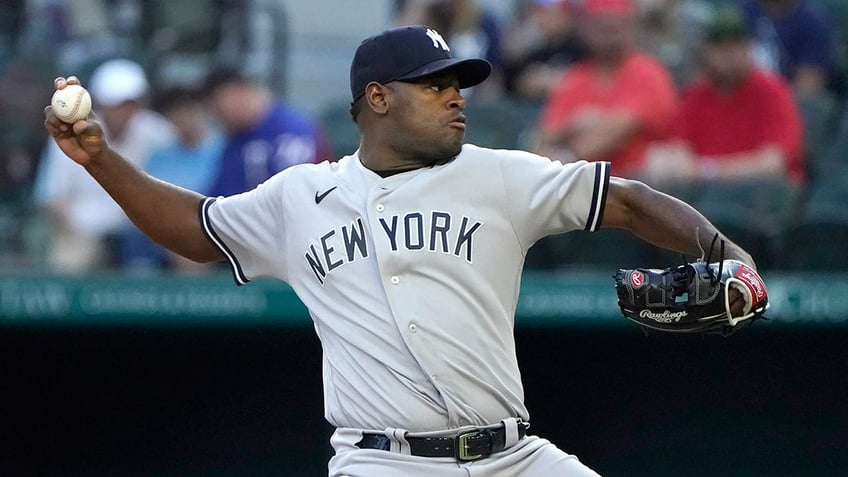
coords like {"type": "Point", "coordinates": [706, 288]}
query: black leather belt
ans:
{"type": "Point", "coordinates": [467, 446]}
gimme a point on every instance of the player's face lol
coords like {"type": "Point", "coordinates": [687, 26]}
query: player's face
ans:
{"type": "Point", "coordinates": [428, 117]}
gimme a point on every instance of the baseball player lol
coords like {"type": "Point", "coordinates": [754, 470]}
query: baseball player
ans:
{"type": "Point", "coordinates": [408, 255]}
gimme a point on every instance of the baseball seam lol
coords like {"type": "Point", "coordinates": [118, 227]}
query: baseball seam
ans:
{"type": "Point", "coordinates": [76, 105]}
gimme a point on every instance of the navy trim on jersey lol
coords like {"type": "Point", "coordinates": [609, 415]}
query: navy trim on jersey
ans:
{"type": "Point", "coordinates": [599, 196]}
{"type": "Point", "coordinates": [206, 226]}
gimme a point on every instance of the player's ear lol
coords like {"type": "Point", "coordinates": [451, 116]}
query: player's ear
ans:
{"type": "Point", "coordinates": [375, 96]}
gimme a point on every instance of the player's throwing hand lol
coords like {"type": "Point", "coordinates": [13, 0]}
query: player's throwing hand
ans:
{"type": "Point", "coordinates": [81, 141]}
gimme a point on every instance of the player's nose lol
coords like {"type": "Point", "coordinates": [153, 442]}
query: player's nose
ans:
{"type": "Point", "coordinates": [457, 101]}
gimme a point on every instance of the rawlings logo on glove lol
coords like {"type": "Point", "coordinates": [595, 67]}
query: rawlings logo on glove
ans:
{"type": "Point", "coordinates": [690, 298]}
{"type": "Point", "coordinates": [664, 317]}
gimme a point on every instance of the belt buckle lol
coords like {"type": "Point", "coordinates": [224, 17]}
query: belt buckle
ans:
{"type": "Point", "coordinates": [462, 447]}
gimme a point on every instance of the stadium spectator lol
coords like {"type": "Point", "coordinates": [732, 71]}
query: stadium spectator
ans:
{"type": "Point", "coordinates": [20, 140]}
{"type": "Point", "coordinates": [184, 37]}
{"type": "Point", "coordinates": [671, 31]}
{"type": "Point", "coordinates": [795, 39]}
{"type": "Point", "coordinates": [538, 48]}
{"type": "Point", "coordinates": [84, 220]}
{"type": "Point", "coordinates": [738, 121]}
{"type": "Point", "coordinates": [611, 105]}
{"type": "Point", "coordinates": [265, 135]}
{"type": "Point", "coordinates": [189, 162]}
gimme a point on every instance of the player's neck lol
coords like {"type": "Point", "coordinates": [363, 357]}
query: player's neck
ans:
{"type": "Point", "coordinates": [383, 161]}
{"type": "Point", "coordinates": [387, 159]}
{"type": "Point", "coordinates": [386, 171]}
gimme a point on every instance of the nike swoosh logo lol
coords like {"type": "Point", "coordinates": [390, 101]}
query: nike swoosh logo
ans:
{"type": "Point", "coordinates": [320, 197]}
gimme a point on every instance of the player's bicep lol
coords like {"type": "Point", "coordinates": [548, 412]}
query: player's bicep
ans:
{"type": "Point", "coordinates": [618, 210]}
{"type": "Point", "coordinates": [635, 206]}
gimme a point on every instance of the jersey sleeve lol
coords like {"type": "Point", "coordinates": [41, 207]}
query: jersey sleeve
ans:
{"type": "Point", "coordinates": [546, 197]}
{"type": "Point", "coordinates": [248, 229]}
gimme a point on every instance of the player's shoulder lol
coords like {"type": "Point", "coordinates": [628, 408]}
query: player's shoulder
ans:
{"type": "Point", "coordinates": [310, 172]}
{"type": "Point", "coordinates": [501, 161]}
{"type": "Point", "coordinates": [472, 153]}
{"type": "Point", "coordinates": [300, 176]}
{"type": "Point", "coordinates": [514, 164]}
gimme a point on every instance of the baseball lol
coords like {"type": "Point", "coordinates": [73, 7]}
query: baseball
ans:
{"type": "Point", "coordinates": [71, 104]}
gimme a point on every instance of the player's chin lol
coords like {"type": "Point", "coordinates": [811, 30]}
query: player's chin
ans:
{"type": "Point", "coordinates": [453, 143]}
{"type": "Point", "coordinates": [441, 149]}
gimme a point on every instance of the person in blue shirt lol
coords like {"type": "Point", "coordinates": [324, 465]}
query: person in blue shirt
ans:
{"type": "Point", "coordinates": [795, 39]}
{"type": "Point", "coordinates": [264, 134]}
{"type": "Point", "coordinates": [191, 162]}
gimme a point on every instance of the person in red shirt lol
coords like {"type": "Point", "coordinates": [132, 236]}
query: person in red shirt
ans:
{"type": "Point", "coordinates": [613, 104]}
{"type": "Point", "coordinates": [738, 121]}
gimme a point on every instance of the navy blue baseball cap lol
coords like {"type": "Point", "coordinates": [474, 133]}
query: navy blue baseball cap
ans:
{"type": "Point", "coordinates": [406, 53]}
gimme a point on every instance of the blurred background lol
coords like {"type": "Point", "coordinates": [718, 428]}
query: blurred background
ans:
{"type": "Point", "coordinates": [118, 358]}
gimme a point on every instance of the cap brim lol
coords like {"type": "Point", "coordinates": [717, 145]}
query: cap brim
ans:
{"type": "Point", "coordinates": [470, 72]}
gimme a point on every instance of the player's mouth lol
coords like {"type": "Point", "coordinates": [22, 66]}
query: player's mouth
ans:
{"type": "Point", "coordinates": [458, 123]}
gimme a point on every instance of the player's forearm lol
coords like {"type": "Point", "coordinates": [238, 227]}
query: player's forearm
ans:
{"type": "Point", "coordinates": [664, 221]}
{"type": "Point", "coordinates": [164, 212]}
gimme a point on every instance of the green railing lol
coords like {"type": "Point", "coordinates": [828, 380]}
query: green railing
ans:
{"type": "Point", "coordinates": [579, 298]}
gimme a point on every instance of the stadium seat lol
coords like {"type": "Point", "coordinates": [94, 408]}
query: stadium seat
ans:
{"type": "Point", "coordinates": [752, 213]}
{"type": "Point", "coordinates": [814, 245]}
{"type": "Point", "coordinates": [527, 114]}
{"type": "Point", "coordinates": [341, 132]}
{"type": "Point", "coordinates": [818, 115]}
{"type": "Point", "coordinates": [8, 224]}
{"type": "Point", "coordinates": [687, 191]}
{"type": "Point", "coordinates": [607, 248]}
{"type": "Point", "coordinates": [817, 241]}
{"type": "Point", "coordinates": [493, 123]}
{"type": "Point", "coordinates": [835, 155]}
{"type": "Point", "coordinates": [837, 12]}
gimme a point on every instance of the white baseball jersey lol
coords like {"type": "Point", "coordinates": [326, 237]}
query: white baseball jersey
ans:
{"type": "Point", "coordinates": [411, 280]}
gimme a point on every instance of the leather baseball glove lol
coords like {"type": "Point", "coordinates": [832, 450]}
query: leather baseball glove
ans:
{"type": "Point", "coordinates": [691, 298]}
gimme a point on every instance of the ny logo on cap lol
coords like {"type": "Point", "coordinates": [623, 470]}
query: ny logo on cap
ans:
{"type": "Point", "coordinates": [438, 41]}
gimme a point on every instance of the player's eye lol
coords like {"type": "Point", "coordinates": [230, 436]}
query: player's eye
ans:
{"type": "Point", "coordinates": [443, 85]}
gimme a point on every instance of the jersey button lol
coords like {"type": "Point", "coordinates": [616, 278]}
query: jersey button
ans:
{"type": "Point", "coordinates": [413, 327]}
{"type": "Point", "coordinates": [395, 279]}
{"type": "Point", "coordinates": [380, 207]}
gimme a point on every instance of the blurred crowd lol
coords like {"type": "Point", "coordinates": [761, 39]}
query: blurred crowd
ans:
{"type": "Point", "coordinates": [735, 106]}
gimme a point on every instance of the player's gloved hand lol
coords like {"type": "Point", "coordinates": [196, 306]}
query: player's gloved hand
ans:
{"type": "Point", "coordinates": [81, 141]}
{"type": "Point", "coordinates": [695, 297]}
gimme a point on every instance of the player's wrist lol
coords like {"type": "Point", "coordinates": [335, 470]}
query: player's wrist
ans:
{"type": "Point", "coordinates": [97, 161]}
{"type": "Point", "coordinates": [739, 255]}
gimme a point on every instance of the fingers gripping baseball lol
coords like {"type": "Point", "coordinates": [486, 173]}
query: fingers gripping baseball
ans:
{"type": "Point", "coordinates": [83, 139]}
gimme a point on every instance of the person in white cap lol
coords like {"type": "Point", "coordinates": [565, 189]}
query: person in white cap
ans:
{"type": "Point", "coordinates": [83, 219]}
